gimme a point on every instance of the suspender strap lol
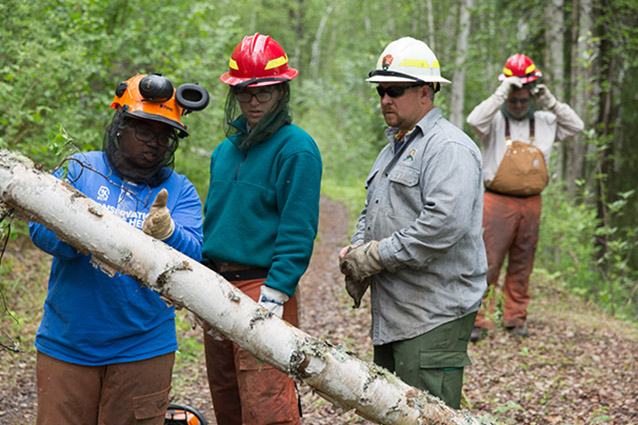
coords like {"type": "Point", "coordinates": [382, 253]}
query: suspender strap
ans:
{"type": "Point", "coordinates": [531, 129]}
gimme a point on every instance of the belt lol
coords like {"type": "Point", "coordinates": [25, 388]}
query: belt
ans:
{"type": "Point", "coordinates": [235, 271]}
{"type": "Point", "coordinates": [487, 189]}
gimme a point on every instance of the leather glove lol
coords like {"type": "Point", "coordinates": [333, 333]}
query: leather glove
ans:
{"type": "Point", "coordinates": [343, 252]}
{"type": "Point", "coordinates": [507, 86]}
{"type": "Point", "coordinates": [273, 300]}
{"type": "Point", "coordinates": [362, 261]}
{"type": "Point", "coordinates": [544, 97]}
{"type": "Point", "coordinates": [356, 289]}
{"type": "Point", "coordinates": [158, 222]}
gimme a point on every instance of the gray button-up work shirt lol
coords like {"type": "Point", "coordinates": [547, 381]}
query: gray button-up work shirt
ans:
{"type": "Point", "coordinates": [425, 205]}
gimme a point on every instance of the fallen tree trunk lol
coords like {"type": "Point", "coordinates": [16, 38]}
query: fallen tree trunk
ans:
{"type": "Point", "coordinates": [333, 373]}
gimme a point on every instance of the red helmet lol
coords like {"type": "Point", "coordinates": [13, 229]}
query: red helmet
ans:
{"type": "Point", "coordinates": [258, 61]}
{"type": "Point", "coordinates": [521, 66]}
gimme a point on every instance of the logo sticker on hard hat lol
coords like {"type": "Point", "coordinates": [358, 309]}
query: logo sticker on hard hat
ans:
{"type": "Point", "coordinates": [386, 62]}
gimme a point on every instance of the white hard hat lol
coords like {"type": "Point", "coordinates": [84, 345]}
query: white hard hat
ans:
{"type": "Point", "coordinates": [407, 59]}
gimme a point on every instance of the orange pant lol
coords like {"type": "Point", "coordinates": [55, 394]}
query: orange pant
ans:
{"type": "Point", "coordinates": [510, 226]}
{"type": "Point", "coordinates": [246, 391]}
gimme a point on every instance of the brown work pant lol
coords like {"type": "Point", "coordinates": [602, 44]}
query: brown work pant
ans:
{"type": "Point", "coordinates": [133, 393]}
{"type": "Point", "coordinates": [246, 391]}
{"type": "Point", "coordinates": [510, 226]}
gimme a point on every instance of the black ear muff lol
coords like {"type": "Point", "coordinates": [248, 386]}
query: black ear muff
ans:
{"type": "Point", "coordinates": [121, 88]}
{"type": "Point", "coordinates": [192, 97]}
{"type": "Point", "coordinates": [156, 88]}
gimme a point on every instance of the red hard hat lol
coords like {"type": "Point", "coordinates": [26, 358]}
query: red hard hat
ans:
{"type": "Point", "coordinates": [258, 61]}
{"type": "Point", "coordinates": [521, 66]}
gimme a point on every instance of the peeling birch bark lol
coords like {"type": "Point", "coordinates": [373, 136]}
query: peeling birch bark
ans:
{"type": "Point", "coordinates": [333, 373]}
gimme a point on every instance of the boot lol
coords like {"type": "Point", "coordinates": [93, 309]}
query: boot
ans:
{"type": "Point", "coordinates": [518, 331]}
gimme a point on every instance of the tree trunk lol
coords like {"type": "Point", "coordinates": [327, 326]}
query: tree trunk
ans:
{"type": "Point", "coordinates": [315, 58]}
{"type": "Point", "coordinates": [583, 55]}
{"type": "Point", "coordinates": [336, 375]}
{"type": "Point", "coordinates": [554, 63]}
{"type": "Point", "coordinates": [296, 12]}
{"type": "Point", "coordinates": [431, 27]}
{"type": "Point", "coordinates": [458, 79]}
{"type": "Point", "coordinates": [554, 37]}
{"type": "Point", "coordinates": [604, 159]}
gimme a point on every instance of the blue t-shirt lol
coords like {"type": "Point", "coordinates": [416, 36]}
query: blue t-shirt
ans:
{"type": "Point", "coordinates": [91, 318]}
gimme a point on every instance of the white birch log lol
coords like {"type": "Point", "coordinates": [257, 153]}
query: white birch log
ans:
{"type": "Point", "coordinates": [336, 375]}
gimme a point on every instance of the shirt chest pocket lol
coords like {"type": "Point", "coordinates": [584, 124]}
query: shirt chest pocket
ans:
{"type": "Point", "coordinates": [405, 176]}
{"type": "Point", "coordinates": [405, 191]}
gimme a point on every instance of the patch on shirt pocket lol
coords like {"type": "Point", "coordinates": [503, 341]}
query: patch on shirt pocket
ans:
{"type": "Point", "coordinates": [151, 405]}
{"type": "Point", "coordinates": [438, 359]}
{"type": "Point", "coordinates": [406, 176]}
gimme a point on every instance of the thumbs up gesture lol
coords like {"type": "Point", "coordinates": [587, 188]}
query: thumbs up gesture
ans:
{"type": "Point", "coordinates": [159, 223]}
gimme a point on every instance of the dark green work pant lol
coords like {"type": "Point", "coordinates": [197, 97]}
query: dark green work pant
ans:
{"type": "Point", "coordinates": [432, 361]}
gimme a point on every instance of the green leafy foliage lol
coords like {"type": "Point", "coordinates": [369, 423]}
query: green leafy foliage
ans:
{"type": "Point", "coordinates": [566, 242]}
{"type": "Point", "coordinates": [60, 62]}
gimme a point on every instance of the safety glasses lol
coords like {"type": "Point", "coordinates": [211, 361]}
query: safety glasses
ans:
{"type": "Point", "coordinates": [395, 91]}
{"type": "Point", "coordinates": [514, 101]}
{"type": "Point", "coordinates": [247, 97]}
{"type": "Point", "coordinates": [163, 139]}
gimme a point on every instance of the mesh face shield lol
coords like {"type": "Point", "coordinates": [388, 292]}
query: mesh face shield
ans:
{"type": "Point", "coordinates": [267, 126]}
{"type": "Point", "coordinates": [111, 147]}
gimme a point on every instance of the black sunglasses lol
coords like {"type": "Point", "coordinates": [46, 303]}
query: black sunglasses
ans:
{"type": "Point", "coordinates": [395, 91]}
{"type": "Point", "coordinates": [514, 101]}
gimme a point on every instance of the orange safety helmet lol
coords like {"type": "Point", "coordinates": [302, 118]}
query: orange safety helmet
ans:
{"type": "Point", "coordinates": [152, 97]}
{"type": "Point", "coordinates": [258, 61]}
{"type": "Point", "coordinates": [521, 66]}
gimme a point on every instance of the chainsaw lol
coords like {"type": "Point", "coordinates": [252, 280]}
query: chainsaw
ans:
{"type": "Point", "coordinates": [178, 414]}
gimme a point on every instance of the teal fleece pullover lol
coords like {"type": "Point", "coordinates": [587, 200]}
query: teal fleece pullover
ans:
{"type": "Point", "coordinates": [262, 207]}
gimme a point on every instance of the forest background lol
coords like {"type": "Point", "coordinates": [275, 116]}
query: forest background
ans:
{"type": "Point", "coordinates": [60, 62]}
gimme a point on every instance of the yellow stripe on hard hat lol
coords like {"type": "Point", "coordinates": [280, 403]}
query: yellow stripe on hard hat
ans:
{"type": "Point", "coordinates": [417, 63]}
{"type": "Point", "coordinates": [508, 72]}
{"type": "Point", "coordinates": [275, 63]}
{"type": "Point", "coordinates": [529, 69]}
{"type": "Point", "coordinates": [232, 64]}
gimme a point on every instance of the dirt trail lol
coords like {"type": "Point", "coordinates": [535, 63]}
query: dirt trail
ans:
{"type": "Point", "coordinates": [577, 367]}
{"type": "Point", "coordinates": [326, 313]}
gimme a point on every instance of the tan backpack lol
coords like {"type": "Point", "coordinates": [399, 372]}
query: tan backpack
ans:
{"type": "Point", "coordinates": [522, 172]}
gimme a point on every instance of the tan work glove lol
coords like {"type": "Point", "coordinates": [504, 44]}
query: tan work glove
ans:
{"type": "Point", "coordinates": [356, 289]}
{"type": "Point", "coordinates": [507, 86]}
{"type": "Point", "coordinates": [362, 261]}
{"type": "Point", "coordinates": [158, 222]}
{"type": "Point", "coordinates": [544, 97]}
